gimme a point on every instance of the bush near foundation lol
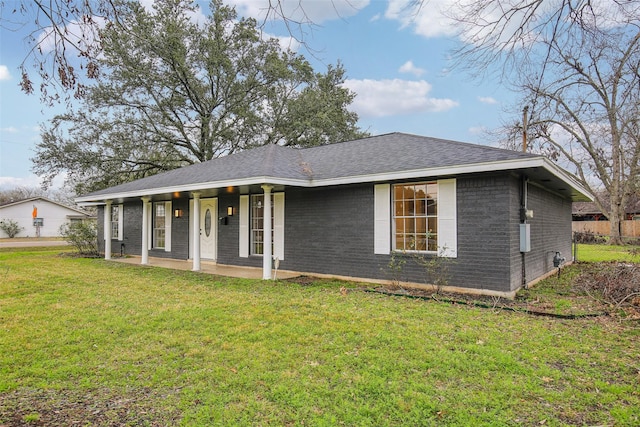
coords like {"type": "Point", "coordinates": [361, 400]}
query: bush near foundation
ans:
{"type": "Point", "coordinates": [81, 235]}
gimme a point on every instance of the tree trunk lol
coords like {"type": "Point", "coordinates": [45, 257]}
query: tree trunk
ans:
{"type": "Point", "coordinates": [615, 222]}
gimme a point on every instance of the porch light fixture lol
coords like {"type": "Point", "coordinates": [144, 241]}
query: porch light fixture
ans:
{"type": "Point", "coordinates": [177, 213]}
{"type": "Point", "coordinates": [229, 210]}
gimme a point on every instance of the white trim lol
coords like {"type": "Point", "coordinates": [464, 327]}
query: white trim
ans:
{"type": "Point", "coordinates": [195, 214]}
{"type": "Point", "coordinates": [150, 224]}
{"type": "Point", "coordinates": [447, 222]}
{"type": "Point", "coordinates": [145, 230]}
{"type": "Point", "coordinates": [243, 235]}
{"type": "Point", "coordinates": [107, 230]}
{"type": "Point", "coordinates": [536, 162]}
{"type": "Point", "coordinates": [382, 219]}
{"type": "Point", "coordinates": [168, 215]}
{"type": "Point", "coordinates": [266, 246]}
{"type": "Point", "coordinates": [278, 226]}
{"type": "Point", "coordinates": [120, 222]}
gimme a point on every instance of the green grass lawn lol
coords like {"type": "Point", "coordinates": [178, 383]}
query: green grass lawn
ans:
{"type": "Point", "coordinates": [599, 253]}
{"type": "Point", "coordinates": [92, 342]}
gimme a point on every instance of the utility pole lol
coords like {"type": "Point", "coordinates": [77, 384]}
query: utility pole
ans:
{"type": "Point", "coordinates": [524, 128]}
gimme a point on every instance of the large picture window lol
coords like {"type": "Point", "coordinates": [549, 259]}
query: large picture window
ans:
{"type": "Point", "coordinates": [415, 217]}
{"type": "Point", "coordinates": [159, 222]}
{"type": "Point", "coordinates": [257, 224]}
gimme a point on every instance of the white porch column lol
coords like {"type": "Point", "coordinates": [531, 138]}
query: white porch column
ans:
{"type": "Point", "coordinates": [266, 251]}
{"type": "Point", "coordinates": [145, 230]}
{"type": "Point", "coordinates": [107, 230]}
{"type": "Point", "coordinates": [196, 231]}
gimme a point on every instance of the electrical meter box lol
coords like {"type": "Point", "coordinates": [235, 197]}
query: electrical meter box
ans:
{"type": "Point", "coordinates": [525, 237]}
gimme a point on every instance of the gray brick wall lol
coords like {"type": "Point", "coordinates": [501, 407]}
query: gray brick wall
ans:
{"type": "Point", "coordinates": [550, 231]}
{"type": "Point", "coordinates": [485, 211]}
{"type": "Point", "coordinates": [132, 231]}
{"type": "Point", "coordinates": [330, 230]}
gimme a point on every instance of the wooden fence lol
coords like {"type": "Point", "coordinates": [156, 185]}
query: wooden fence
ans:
{"type": "Point", "coordinates": [629, 228]}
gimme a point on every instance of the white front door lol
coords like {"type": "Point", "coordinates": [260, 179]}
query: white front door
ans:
{"type": "Point", "coordinates": [208, 228]}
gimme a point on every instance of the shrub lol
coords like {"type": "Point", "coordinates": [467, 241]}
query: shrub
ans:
{"type": "Point", "coordinates": [612, 283]}
{"type": "Point", "coordinates": [588, 237]}
{"type": "Point", "coordinates": [83, 235]}
{"type": "Point", "coordinates": [10, 227]}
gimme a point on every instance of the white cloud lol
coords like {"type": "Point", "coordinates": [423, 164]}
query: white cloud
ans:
{"type": "Point", "coordinates": [10, 182]}
{"type": "Point", "coordinates": [477, 130]}
{"type": "Point", "coordinates": [4, 73]}
{"type": "Point", "coordinates": [379, 98]}
{"type": "Point", "coordinates": [303, 11]}
{"type": "Point", "coordinates": [285, 42]}
{"type": "Point", "coordinates": [426, 17]}
{"type": "Point", "coordinates": [408, 67]}
{"type": "Point", "coordinates": [431, 18]}
{"type": "Point", "coordinates": [78, 33]}
{"type": "Point", "coordinates": [487, 100]}
{"type": "Point", "coordinates": [10, 129]}
{"type": "Point", "coordinates": [31, 181]}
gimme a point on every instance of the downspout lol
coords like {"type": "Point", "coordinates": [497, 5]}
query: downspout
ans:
{"type": "Point", "coordinates": [523, 220]}
{"type": "Point", "coordinates": [523, 193]}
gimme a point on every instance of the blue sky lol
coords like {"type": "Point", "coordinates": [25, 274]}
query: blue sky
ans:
{"type": "Point", "coordinates": [395, 58]}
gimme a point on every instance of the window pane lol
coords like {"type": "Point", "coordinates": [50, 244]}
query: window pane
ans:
{"type": "Point", "coordinates": [421, 191]}
{"type": "Point", "coordinates": [421, 225]}
{"type": "Point", "coordinates": [433, 225]}
{"type": "Point", "coordinates": [421, 207]}
{"type": "Point", "coordinates": [433, 243]}
{"type": "Point", "coordinates": [398, 208]}
{"type": "Point", "coordinates": [432, 191]}
{"type": "Point", "coordinates": [432, 207]}
{"type": "Point", "coordinates": [407, 192]}
{"type": "Point", "coordinates": [408, 208]}
{"type": "Point", "coordinates": [397, 192]}
{"type": "Point", "coordinates": [409, 226]}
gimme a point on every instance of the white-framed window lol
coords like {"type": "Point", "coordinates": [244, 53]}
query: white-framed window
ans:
{"type": "Point", "coordinates": [257, 224]}
{"type": "Point", "coordinates": [116, 222]}
{"type": "Point", "coordinates": [159, 225]}
{"type": "Point", "coordinates": [251, 233]}
{"type": "Point", "coordinates": [415, 217]}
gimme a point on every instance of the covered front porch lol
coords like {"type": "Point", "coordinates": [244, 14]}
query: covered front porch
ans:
{"type": "Point", "coordinates": [208, 267]}
{"type": "Point", "coordinates": [192, 225]}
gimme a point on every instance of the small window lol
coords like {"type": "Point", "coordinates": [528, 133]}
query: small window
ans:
{"type": "Point", "coordinates": [415, 217]}
{"type": "Point", "coordinates": [159, 221]}
{"type": "Point", "coordinates": [257, 224]}
{"type": "Point", "coordinates": [116, 222]}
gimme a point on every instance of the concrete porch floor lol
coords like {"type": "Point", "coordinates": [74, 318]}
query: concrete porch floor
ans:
{"type": "Point", "coordinates": [208, 267]}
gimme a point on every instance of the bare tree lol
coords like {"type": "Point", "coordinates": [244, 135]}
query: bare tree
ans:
{"type": "Point", "coordinates": [20, 193]}
{"type": "Point", "coordinates": [582, 85]}
{"type": "Point", "coordinates": [63, 44]}
{"type": "Point", "coordinates": [517, 33]}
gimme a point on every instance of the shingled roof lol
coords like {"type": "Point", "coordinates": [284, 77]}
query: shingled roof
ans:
{"type": "Point", "coordinates": [377, 158]}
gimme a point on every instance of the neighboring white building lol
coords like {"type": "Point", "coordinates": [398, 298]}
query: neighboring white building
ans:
{"type": "Point", "coordinates": [39, 216]}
